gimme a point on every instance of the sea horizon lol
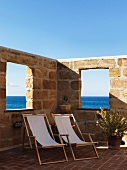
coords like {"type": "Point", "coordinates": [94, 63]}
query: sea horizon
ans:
{"type": "Point", "coordinates": [93, 102]}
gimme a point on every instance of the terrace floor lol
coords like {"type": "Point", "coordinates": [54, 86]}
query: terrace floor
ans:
{"type": "Point", "coordinates": [15, 159]}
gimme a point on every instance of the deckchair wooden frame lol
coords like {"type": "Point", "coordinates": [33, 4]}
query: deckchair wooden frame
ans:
{"type": "Point", "coordinates": [27, 129]}
{"type": "Point", "coordinates": [77, 145]}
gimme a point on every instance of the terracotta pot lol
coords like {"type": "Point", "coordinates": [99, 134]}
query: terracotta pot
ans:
{"type": "Point", "coordinates": [65, 108]}
{"type": "Point", "coordinates": [114, 142]}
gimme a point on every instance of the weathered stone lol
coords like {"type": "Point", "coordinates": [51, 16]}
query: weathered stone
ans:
{"type": "Point", "coordinates": [29, 104]}
{"type": "Point", "coordinates": [50, 64]}
{"type": "Point", "coordinates": [76, 85]}
{"type": "Point", "coordinates": [2, 93]}
{"type": "Point", "coordinates": [68, 75]}
{"type": "Point", "coordinates": [37, 73]}
{"type": "Point", "coordinates": [91, 126]}
{"type": "Point", "coordinates": [125, 71]}
{"type": "Point", "coordinates": [114, 72]}
{"type": "Point", "coordinates": [52, 95]}
{"type": "Point", "coordinates": [94, 63]}
{"type": "Point", "coordinates": [2, 80]}
{"type": "Point", "coordinates": [29, 72]}
{"type": "Point", "coordinates": [48, 104]}
{"type": "Point", "coordinates": [29, 83]}
{"type": "Point", "coordinates": [29, 94]}
{"type": "Point", "coordinates": [2, 105]}
{"type": "Point", "coordinates": [122, 61]}
{"type": "Point", "coordinates": [124, 93]}
{"type": "Point", "coordinates": [40, 94]}
{"type": "Point", "coordinates": [63, 85]}
{"type": "Point", "coordinates": [49, 84]}
{"type": "Point", "coordinates": [118, 83]}
{"type": "Point", "coordinates": [37, 83]}
{"type": "Point", "coordinates": [52, 75]}
{"type": "Point", "coordinates": [2, 67]}
{"type": "Point", "coordinates": [37, 105]}
{"type": "Point", "coordinates": [118, 104]}
{"type": "Point", "coordinates": [114, 92]}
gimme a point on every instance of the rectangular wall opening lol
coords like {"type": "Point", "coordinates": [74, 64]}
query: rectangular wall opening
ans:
{"type": "Point", "coordinates": [15, 86]}
{"type": "Point", "coordinates": [95, 88]}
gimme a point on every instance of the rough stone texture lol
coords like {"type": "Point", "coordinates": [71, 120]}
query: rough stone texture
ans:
{"type": "Point", "coordinates": [2, 67]}
{"type": "Point", "coordinates": [122, 61]}
{"type": "Point", "coordinates": [118, 83]}
{"type": "Point", "coordinates": [49, 80]}
{"type": "Point", "coordinates": [125, 71]}
{"type": "Point", "coordinates": [114, 72]}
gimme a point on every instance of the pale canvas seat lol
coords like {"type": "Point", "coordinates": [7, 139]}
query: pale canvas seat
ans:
{"type": "Point", "coordinates": [42, 138]}
{"type": "Point", "coordinates": [68, 134]}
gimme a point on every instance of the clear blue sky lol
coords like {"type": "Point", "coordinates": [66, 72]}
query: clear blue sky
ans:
{"type": "Point", "coordinates": [64, 28]}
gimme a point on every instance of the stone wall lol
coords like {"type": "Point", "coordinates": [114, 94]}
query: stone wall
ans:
{"type": "Point", "coordinates": [41, 91]}
{"type": "Point", "coordinates": [48, 81]}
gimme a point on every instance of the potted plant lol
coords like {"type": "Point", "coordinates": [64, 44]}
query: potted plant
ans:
{"type": "Point", "coordinates": [114, 125]}
{"type": "Point", "coordinates": [66, 107]}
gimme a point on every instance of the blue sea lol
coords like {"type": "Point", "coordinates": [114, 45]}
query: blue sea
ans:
{"type": "Point", "coordinates": [19, 102]}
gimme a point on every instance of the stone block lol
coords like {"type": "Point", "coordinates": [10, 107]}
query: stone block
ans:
{"type": "Point", "coordinates": [52, 94]}
{"type": "Point", "coordinates": [124, 93]}
{"type": "Point", "coordinates": [118, 104]}
{"type": "Point", "coordinates": [76, 85]}
{"type": "Point", "coordinates": [67, 75]}
{"type": "Point", "coordinates": [37, 105]}
{"type": "Point", "coordinates": [28, 60]}
{"type": "Point", "coordinates": [2, 105]}
{"type": "Point", "coordinates": [94, 63]}
{"type": "Point", "coordinates": [90, 115]}
{"type": "Point", "coordinates": [52, 75]}
{"type": "Point", "coordinates": [80, 115]}
{"type": "Point", "coordinates": [118, 83]}
{"type": "Point", "coordinates": [2, 80]}
{"type": "Point", "coordinates": [125, 71]}
{"type": "Point", "coordinates": [48, 104]}
{"type": "Point", "coordinates": [122, 61]}
{"type": "Point", "coordinates": [40, 94]}
{"type": "Point", "coordinates": [2, 67]}
{"type": "Point", "coordinates": [37, 83]}
{"type": "Point", "coordinates": [49, 84]}
{"type": "Point", "coordinates": [63, 85]}
{"type": "Point", "coordinates": [50, 64]}
{"type": "Point", "coordinates": [91, 126]}
{"type": "Point", "coordinates": [29, 94]}
{"type": "Point", "coordinates": [29, 71]}
{"type": "Point", "coordinates": [114, 72]}
{"type": "Point", "coordinates": [114, 92]}
{"type": "Point", "coordinates": [29, 83]}
{"type": "Point", "coordinates": [37, 73]}
{"type": "Point", "coordinates": [2, 93]}
{"type": "Point", "coordinates": [81, 126]}
{"type": "Point", "coordinates": [29, 104]}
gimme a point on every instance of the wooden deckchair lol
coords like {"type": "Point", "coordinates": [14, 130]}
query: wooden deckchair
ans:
{"type": "Point", "coordinates": [37, 124]}
{"type": "Point", "coordinates": [68, 134]}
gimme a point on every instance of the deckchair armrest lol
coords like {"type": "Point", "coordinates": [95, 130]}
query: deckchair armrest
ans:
{"type": "Point", "coordinates": [64, 134]}
{"type": "Point", "coordinates": [31, 136]}
{"type": "Point", "coordinates": [88, 133]}
{"type": "Point", "coordinates": [61, 134]}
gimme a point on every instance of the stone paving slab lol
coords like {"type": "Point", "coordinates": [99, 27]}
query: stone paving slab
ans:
{"type": "Point", "coordinates": [18, 159]}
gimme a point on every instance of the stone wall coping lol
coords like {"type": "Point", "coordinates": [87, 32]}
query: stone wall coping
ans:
{"type": "Point", "coordinates": [22, 52]}
{"type": "Point", "coordinates": [18, 110]}
{"type": "Point", "coordinates": [92, 58]}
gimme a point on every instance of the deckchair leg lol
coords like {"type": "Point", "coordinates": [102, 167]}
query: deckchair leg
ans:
{"type": "Point", "coordinates": [93, 146]}
{"type": "Point", "coordinates": [23, 137]}
{"type": "Point", "coordinates": [38, 155]}
{"type": "Point", "coordinates": [65, 154]}
{"type": "Point", "coordinates": [95, 150]}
